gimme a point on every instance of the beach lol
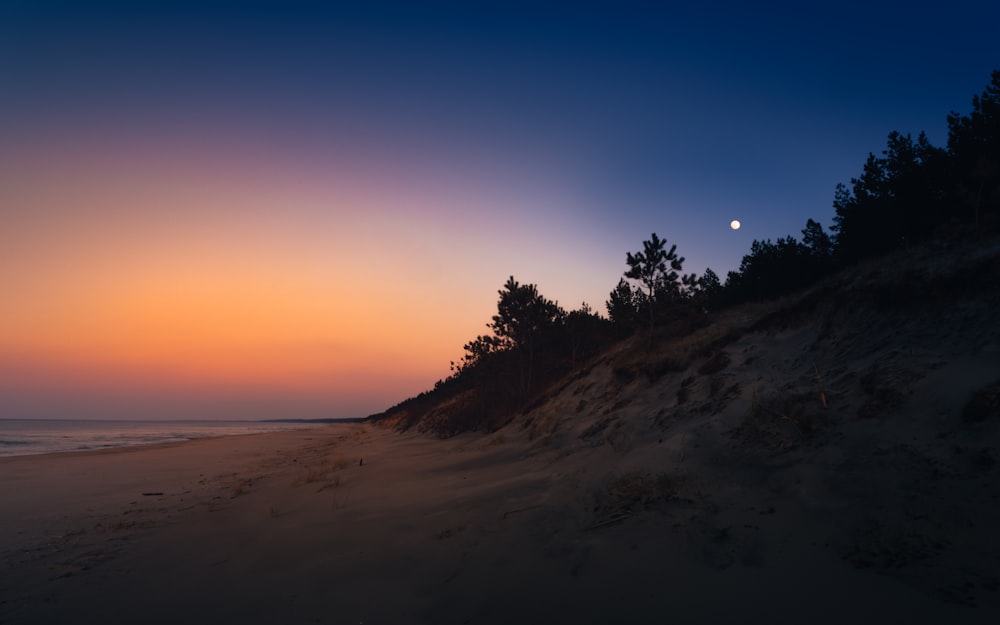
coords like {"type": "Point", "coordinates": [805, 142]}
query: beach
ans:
{"type": "Point", "coordinates": [360, 524]}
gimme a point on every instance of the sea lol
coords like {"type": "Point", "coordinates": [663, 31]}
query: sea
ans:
{"type": "Point", "coordinates": [21, 437]}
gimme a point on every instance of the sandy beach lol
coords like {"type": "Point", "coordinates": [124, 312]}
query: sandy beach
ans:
{"type": "Point", "coordinates": [360, 524]}
{"type": "Point", "coordinates": [400, 313]}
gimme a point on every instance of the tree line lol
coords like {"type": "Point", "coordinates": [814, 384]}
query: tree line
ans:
{"type": "Point", "coordinates": [910, 193]}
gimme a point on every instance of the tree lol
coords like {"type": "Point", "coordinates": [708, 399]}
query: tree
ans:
{"type": "Point", "coordinates": [625, 305]}
{"type": "Point", "coordinates": [818, 242]}
{"type": "Point", "coordinates": [977, 135]}
{"type": "Point", "coordinates": [919, 186]}
{"type": "Point", "coordinates": [769, 270]}
{"type": "Point", "coordinates": [690, 287]}
{"type": "Point", "coordinates": [709, 286]}
{"type": "Point", "coordinates": [658, 271]}
{"type": "Point", "coordinates": [974, 148]}
{"type": "Point", "coordinates": [898, 199]}
{"type": "Point", "coordinates": [522, 316]}
{"type": "Point", "coordinates": [860, 219]}
{"type": "Point", "coordinates": [819, 250]}
{"type": "Point", "coordinates": [586, 331]}
{"type": "Point", "coordinates": [476, 353]}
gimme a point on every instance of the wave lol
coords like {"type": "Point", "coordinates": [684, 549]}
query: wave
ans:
{"type": "Point", "coordinates": [24, 437]}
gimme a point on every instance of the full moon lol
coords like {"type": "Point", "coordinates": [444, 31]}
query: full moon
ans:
{"type": "Point", "coordinates": [735, 224]}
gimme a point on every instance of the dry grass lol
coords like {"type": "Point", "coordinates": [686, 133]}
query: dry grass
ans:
{"type": "Point", "coordinates": [679, 352]}
{"type": "Point", "coordinates": [779, 422]}
{"type": "Point", "coordinates": [313, 474]}
{"type": "Point", "coordinates": [241, 487]}
{"type": "Point", "coordinates": [320, 471]}
{"type": "Point", "coordinates": [332, 483]}
{"type": "Point", "coordinates": [632, 493]}
{"type": "Point", "coordinates": [493, 440]}
{"type": "Point", "coordinates": [543, 425]}
{"type": "Point", "coordinates": [360, 434]}
{"type": "Point", "coordinates": [324, 472]}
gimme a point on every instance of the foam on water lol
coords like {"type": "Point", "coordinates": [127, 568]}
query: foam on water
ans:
{"type": "Point", "coordinates": [41, 436]}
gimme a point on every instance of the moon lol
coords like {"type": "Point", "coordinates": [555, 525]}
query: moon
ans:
{"type": "Point", "coordinates": [735, 224]}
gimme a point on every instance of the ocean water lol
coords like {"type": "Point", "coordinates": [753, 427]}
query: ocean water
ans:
{"type": "Point", "coordinates": [19, 437]}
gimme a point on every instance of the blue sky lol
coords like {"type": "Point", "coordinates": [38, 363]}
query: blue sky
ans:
{"type": "Point", "coordinates": [673, 117]}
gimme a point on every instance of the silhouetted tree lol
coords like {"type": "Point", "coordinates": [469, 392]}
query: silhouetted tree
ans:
{"type": "Point", "coordinates": [710, 287]}
{"type": "Point", "coordinates": [625, 304]}
{"type": "Point", "coordinates": [898, 199]}
{"type": "Point", "coordinates": [819, 243]}
{"type": "Point", "coordinates": [586, 331]}
{"type": "Point", "coordinates": [919, 184]}
{"type": "Point", "coordinates": [523, 315]}
{"type": "Point", "coordinates": [477, 352]}
{"type": "Point", "coordinates": [657, 270]}
{"type": "Point", "coordinates": [770, 269]}
{"type": "Point", "coordinates": [974, 147]}
{"type": "Point", "coordinates": [690, 286]}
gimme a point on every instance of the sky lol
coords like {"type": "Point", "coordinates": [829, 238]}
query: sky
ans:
{"type": "Point", "coordinates": [304, 209]}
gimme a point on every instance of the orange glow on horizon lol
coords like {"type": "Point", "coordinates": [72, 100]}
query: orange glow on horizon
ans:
{"type": "Point", "coordinates": [208, 310]}
{"type": "Point", "coordinates": [147, 272]}
{"type": "Point", "coordinates": [221, 327]}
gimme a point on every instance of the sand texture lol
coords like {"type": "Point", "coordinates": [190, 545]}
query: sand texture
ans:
{"type": "Point", "coordinates": [293, 528]}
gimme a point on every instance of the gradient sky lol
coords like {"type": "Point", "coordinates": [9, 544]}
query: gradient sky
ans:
{"type": "Point", "coordinates": [254, 209]}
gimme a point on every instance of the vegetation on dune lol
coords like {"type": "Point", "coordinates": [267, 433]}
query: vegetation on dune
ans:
{"type": "Point", "coordinates": [913, 193]}
{"type": "Point", "coordinates": [533, 341]}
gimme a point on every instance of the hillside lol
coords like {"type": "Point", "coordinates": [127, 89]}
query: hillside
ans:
{"type": "Point", "coordinates": [855, 424]}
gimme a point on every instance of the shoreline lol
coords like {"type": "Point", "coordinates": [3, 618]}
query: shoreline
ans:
{"type": "Point", "coordinates": [34, 437]}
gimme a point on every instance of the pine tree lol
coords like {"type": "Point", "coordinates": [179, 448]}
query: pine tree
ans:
{"type": "Point", "coordinates": [658, 271]}
{"type": "Point", "coordinates": [522, 316]}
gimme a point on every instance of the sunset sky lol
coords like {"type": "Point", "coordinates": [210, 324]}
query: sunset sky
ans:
{"type": "Point", "coordinates": [255, 209]}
